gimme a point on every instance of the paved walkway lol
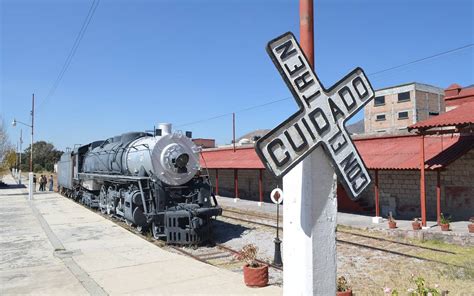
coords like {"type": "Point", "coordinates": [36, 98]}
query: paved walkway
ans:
{"type": "Point", "coordinates": [53, 246]}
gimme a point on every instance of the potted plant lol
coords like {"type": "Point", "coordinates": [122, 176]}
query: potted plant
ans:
{"type": "Point", "coordinates": [392, 224]}
{"type": "Point", "coordinates": [416, 224]}
{"type": "Point", "coordinates": [444, 222]}
{"type": "Point", "coordinates": [343, 288]}
{"type": "Point", "coordinates": [255, 273]}
{"type": "Point", "coordinates": [471, 225]}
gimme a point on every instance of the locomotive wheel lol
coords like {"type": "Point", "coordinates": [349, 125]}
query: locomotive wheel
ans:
{"type": "Point", "coordinates": [154, 230]}
{"type": "Point", "coordinates": [102, 199]}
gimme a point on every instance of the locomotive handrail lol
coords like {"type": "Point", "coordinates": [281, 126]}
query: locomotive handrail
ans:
{"type": "Point", "coordinates": [118, 177]}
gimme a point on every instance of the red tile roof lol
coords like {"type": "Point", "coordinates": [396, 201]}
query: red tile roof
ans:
{"type": "Point", "coordinates": [384, 153]}
{"type": "Point", "coordinates": [462, 115]}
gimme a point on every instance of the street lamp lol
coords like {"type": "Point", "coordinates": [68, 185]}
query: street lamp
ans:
{"type": "Point", "coordinates": [14, 123]}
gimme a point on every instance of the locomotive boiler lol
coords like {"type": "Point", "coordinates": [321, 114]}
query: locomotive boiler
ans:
{"type": "Point", "coordinates": [150, 181]}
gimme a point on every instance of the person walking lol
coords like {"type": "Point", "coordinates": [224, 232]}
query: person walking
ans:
{"type": "Point", "coordinates": [34, 183]}
{"type": "Point", "coordinates": [51, 183]}
{"type": "Point", "coordinates": [40, 181]}
{"type": "Point", "coordinates": [45, 180]}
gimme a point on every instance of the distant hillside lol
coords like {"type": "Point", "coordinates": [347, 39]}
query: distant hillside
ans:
{"type": "Point", "coordinates": [356, 127]}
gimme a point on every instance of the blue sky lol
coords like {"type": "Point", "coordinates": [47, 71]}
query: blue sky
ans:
{"type": "Point", "coordinates": [143, 62]}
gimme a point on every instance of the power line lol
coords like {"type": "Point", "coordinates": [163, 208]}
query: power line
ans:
{"type": "Point", "coordinates": [72, 52]}
{"type": "Point", "coordinates": [238, 111]}
{"type": "Point", "coordinates": [370, 74]}
{"type": "Point", "coordinates": [422, 59]}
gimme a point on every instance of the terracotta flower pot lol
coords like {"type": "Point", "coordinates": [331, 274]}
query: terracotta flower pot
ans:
{"type": "Point", "coordinates": [444, 227]}
{"type": "Point", "coordinates": [416, 225]}
{"type": "Point", "coordinates": [256, 276]}
{"type": "Point", "coordinates": [392, 224]}
{"type": "Point", "coordinates": [345, 293]}
{"type": "Point", "coordinates": [471, 227]}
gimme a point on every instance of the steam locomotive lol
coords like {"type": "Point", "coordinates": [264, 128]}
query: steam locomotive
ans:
{"type": "Point", "coordinates": [150, 181]}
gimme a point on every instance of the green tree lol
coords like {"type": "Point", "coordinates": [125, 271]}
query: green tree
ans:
{"type": "Point", "coordinates": [44, 156]}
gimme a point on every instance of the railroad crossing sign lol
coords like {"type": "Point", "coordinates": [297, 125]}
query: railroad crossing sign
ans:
{"type": "Point", "coordinates": [276, 196]}
{"type": "Point", "coordinates": [320, 119]}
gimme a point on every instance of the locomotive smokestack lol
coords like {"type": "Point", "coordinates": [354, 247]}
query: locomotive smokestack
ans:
{"type": "Point", "coordinates": [165, 128]}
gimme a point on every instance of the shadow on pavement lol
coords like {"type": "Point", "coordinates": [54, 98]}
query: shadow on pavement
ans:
{"type": "Point", "coordinates": [224, 231]}
{"type": "Point", "coordinates": [11, 186]}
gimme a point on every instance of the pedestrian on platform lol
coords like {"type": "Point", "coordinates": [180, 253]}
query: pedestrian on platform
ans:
{"type": "Point", "coordinates": [34, 183]}
{"type": "Point", "coordinates": [51, 182]}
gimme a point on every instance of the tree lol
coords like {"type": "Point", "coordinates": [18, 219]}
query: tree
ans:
{"type": "Point", "coordinates": [44, 156]}
{"type": "Point", "coordinates": [4, 142]}
{"type": "Point", "coordinates": [5, 147]}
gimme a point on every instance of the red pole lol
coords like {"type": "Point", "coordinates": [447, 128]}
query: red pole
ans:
{"type": "Point", "coordinates": [260, 185]}
{"type": "Point", "coordinates": [306, 30]}
{"type": "Point", "coordinates": [422, 182]}
{"type": "Point", "coordinates": [377, 204]}
{"type": "Point", "coordinates": [236, 183]}
{"type": "Point", "coordinates": [217, 181]}
{"type": "Point", "coordinates": [438, 195]}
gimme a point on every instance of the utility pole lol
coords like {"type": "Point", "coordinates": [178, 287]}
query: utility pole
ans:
{"type": "Point", "coordinates": [32, 131]}
{"type": "Point", "coordinates": [233, 129]}
{"type": "Point", "coordinates": [19, 167]}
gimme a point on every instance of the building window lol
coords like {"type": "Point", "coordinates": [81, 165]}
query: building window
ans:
{"type": "Point", "coordinates": [403, 115]}
{"type": "Point", "coordinates": [379, 101]}
{"type": "Point", "coordinates": [433, 113]}
{"type": "Point", "coordinates": [404, 96]}
{"type": "Point", "coordinates": [380, 117]}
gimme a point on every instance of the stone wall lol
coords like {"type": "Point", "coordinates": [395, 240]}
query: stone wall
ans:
{"type": "Point", "coordinates": [399, 191]}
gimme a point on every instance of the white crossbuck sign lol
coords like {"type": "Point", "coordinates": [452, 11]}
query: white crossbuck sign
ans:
{"type": "Point", "coordinates": [320, 120]}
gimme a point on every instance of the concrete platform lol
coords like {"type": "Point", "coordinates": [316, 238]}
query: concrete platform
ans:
{"type": "Point", "coordinates": [458, 234]}
{"type": "Point", "coordinates": [53, 246]}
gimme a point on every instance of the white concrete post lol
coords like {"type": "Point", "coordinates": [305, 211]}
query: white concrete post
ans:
{"type": "Point", "coordinates": [19, 177]}
{"type": "Point", "coordinates": [310, 212]}
{"type": "Point", "coordinates": [30, 195]}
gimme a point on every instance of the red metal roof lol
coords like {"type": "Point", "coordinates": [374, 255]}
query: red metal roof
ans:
{"type": "Point", "coordinates": [403, 152]}
{"type": "Point", "coordinates": [383, 153]}
{"type": "Point", "coordinates": [242, 158]}
{"type": "Point", "coordinates": [464, 114]}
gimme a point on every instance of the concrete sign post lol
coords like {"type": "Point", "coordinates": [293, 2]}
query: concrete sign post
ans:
{"type": "Point", "coordinates": [310, 207]}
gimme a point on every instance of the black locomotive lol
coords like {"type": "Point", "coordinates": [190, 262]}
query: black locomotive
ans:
{"type": "Point", "coordinates": [150, 181]}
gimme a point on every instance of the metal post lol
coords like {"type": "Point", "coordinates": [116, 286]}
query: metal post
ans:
{"type": "Point", "coordinates": [32, 131]}
{"type": "Point", "coordinates": [438, 196]}
{"type": "Point", "coordinates": [233, 129]}
{"type": "Point", "coordinates": [236, 185]}
{"type": "Point", "coordinates": [377, 218]}
{"type": "Point", "coordinates": [422, 182]}
{"type": "Point", "coordinates": [277, 255]}
{"type": "Point", "coordinates": [260, 186]}
{"type": "Point", "coordinates": [217, 181]}
{"type": "Point", "coordinates": [19, 167]}
{"type": "Point", "coordinates": [306, 30]}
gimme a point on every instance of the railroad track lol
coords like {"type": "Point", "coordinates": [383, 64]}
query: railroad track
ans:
{"type": "Point", "coordinates": [398, 248]}
{"type": "Point", "coordinates": [220, 255]}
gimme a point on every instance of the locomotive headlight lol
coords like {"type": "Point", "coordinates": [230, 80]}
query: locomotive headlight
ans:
{"type": "Point", "coordinates": [181, 162]}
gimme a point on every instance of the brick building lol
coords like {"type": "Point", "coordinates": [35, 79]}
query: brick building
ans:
{"type": "Point", "coordinates": [395, 108]}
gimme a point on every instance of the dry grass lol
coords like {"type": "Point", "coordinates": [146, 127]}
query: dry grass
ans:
{"type": "Point", "coordinates": [369, 271]}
